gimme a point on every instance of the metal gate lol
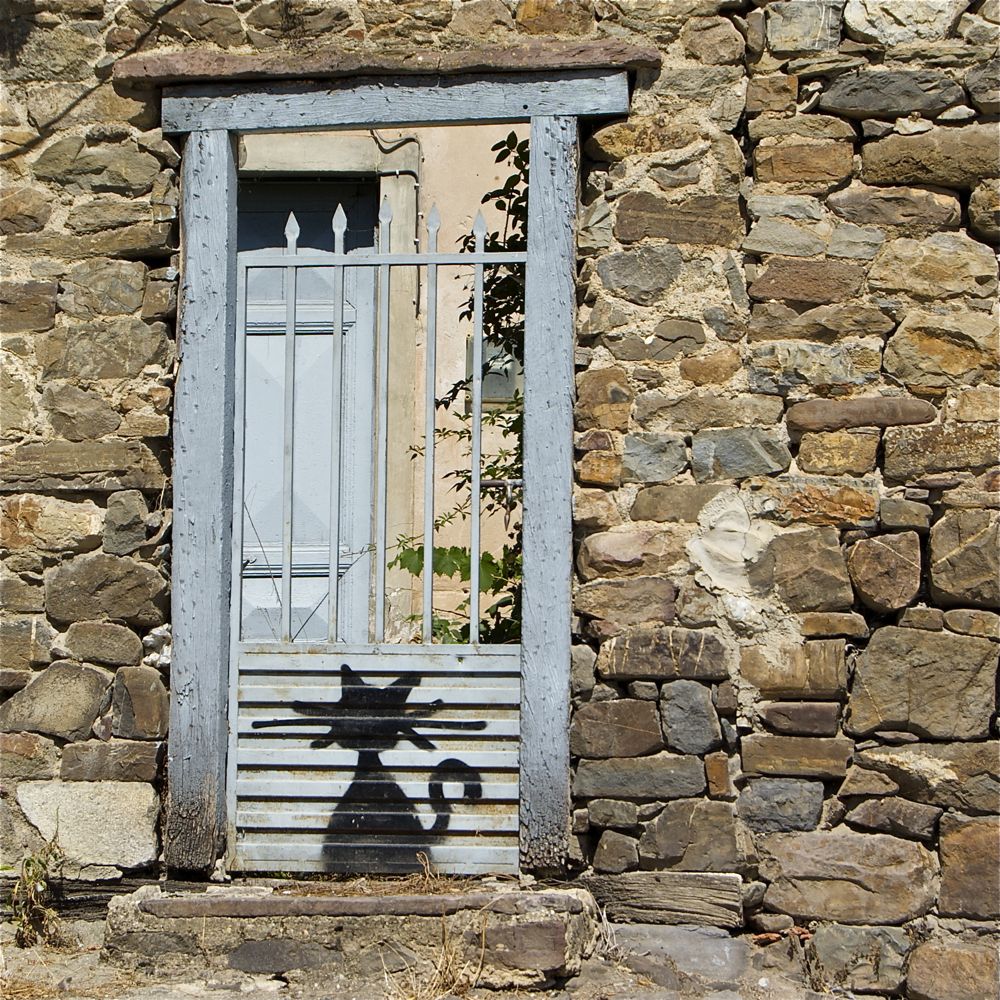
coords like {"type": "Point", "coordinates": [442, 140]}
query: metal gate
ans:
{"type": "Point", "coordinates": [351, 747]}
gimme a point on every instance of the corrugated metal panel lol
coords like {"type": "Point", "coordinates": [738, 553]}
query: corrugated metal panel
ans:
{"type": "Point", "coordinates": [362, 762]}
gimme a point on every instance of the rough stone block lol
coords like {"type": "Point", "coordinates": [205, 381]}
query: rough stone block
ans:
{"type": "Point", "coordinates": [885, 570]}
{"type": "Point", "coordinates": [24, 210]}
{"type": "Point", "coordinates": [27, 757]}
{"type": "Point", "coordinates": [796, 756]}
{"type": "Point", "coordinates": [125, 522]}
{"type": "Point", "coordinates": [895, 513]}
{"type": "Point", "coordinates": [794, 27]}
{"type": "Point", "coordinates": [907, 210]}
{"type": "Point", "coordinates": [851, 878]}
{"type": "Point", "coordinates": [738, 452]}
{"type": "Point", "coordinates": [808, 570]}
{"type": "Point", "coordinates": [942, 266]}
{"type": "Point", "coordinates": [862, 958]}
{"type": "Point", "coordinates": [629, 602]}
{"type": "Point", "coordinates": [967, 622]}
{"type": "Point", "coordinates": [912, 453]}
{"type": "Point", "coordinates": [25, 642]}
{"type": "Point", "coordinates": [951, 970]}
{"type": "Point", "coordinates": [690, 724]}
{"type": "Point", "coordinates": [815, 669]}
{"type": "Point", "coordinates": [665, 654]}
{"type": "Point", "coordinates": [114, 822]}
{"type": "Point", "coordinates": [965, 558]}
{"type": "Point", "coordinates": [865, 411]}
{"type": "Point", "coordinates": [103, 642]}
{"type": "Point", "coordinates": [91, 465]}
{"type": "Point", "coordinates": [825, 502]}
{"type": "Point", "coordinates": [612, 813]}
{"type": "Point", "coordinates": [704, 408]}
{"type": "Point", "coordinates": [890, 94]}
{"type": "Point", "coordinates": [615, 852]}
{"type": "Point", "coordinates": [670, 337]}
{"type": "Point", "coordinates": [900, 817]}
{"type": "Point", "coordinates": [661, 776]}
{"type": "Point", "coordinates": [828, 624]}
{"type": "Point", "coordinates": [704, 220]}
{"type": "Point", "coordinates": [803, 165]}
{"type": "Point", "coordinates": [801, 718]}
{"type": "Point", "coordinates": [781, 805]}
{"type": "Point", "coordinates": [632, 550]}
{"type": "Point", "coordinates": [116, 760]}
{"type": "Point", "coordinates": [604, 399]}
{"type": "Point", "coordinates": [809, 281]}
{"type": "Point", "coordinates": [119, 347]}
{"type": "Point", "coordinates": [653, 458]}
{"type": "Point", "coordinates": [984, 211]}
{"type": "Point", "coordinates": [27, 306]}
{"type": "Point", "coordinates": [885, 22]}
{"type": "Point", "coordinates": [784, 367]}
{"type": "Point", "coordinates": [771, 92]}
{"type": "Point", "coordinates": [951, 157]}
{"type": "Point", "coordinates": [622, 728]}
{"type": "Point", "coordinates": [105, 586]}
{"type": "Point", "coordinates": [962, 776]}
{"type": "Point", "coordinates": [139, 704]}
{"type": "Point", "coordinates": [642, 275]}
{"type": "Point", "coordinates": [970, 867]}
{"type": "Point", "coordinates": [670, 898]}
{"type": "Point", "coordinates": [693, 835]}
{"type": "Point", "coordinates": [62, 701]}
{"type": "Point", "coordinates": [677, 502]}
{"type": "Point", "coordinates": [933, 684]}
{"type": "Point", "coordinates": [838, 453]}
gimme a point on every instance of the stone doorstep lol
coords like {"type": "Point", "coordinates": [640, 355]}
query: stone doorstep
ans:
{"type": "Point", "coordinates": [514, 939]}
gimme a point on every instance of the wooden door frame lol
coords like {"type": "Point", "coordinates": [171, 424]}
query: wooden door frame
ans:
{"type": "Point", "coordinates": [212, 116]}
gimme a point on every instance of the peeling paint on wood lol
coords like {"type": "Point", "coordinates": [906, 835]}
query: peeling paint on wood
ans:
{"type": "Point", "coordinates": [203, 503]}
{"type": "Point", "coordinates": [548, 474]}
{"type": "Point", "coordinates": [287, 107]}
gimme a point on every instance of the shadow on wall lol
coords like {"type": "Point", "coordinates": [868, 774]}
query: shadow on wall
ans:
{"type": "Point", "coordinates": [14, 34]}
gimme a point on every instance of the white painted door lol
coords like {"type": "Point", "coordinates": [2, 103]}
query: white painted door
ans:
{"type": "Point", "coordinates": [262, 227]}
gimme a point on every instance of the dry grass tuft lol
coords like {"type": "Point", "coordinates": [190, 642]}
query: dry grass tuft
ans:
{"type": "Point", "coordinates": [426, 882]}
{"type": "Point", "coordinates": [450, 977]}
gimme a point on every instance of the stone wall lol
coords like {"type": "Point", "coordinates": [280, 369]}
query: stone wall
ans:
{"type": "Point", "coordinates": [787, 500]}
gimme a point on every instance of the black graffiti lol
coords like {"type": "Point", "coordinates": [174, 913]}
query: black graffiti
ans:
{"type": "Point", "coordinates": [375, 812]}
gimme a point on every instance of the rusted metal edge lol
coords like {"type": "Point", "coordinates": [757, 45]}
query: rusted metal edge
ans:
{"type": "Point", "coordinates": [194, 65]}
{"type": "Point", "coordinates": [211, 905]}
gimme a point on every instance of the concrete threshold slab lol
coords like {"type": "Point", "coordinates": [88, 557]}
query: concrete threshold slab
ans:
{"type": "Point", "coordinates": [503, 939]}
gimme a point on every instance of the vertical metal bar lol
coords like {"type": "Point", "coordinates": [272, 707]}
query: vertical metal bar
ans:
{"type": "Point", "coordinates": [433, 225]}
{"type": "Point", "coordinates": [336, 395]}
{"type": "Point", "coordinates": [291, 234]}
{"type": "Point", "coordinates": [385, 222]}
{"type": "Point", "coordinates": [479, 230]}
{"type": "Point", "coordinates": [236, 600]}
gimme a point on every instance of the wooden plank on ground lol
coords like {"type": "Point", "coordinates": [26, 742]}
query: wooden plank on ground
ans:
{"type": "Point", "coordinates": [669, 897]}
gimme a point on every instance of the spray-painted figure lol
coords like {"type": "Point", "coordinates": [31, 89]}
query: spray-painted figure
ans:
{"type": "Point", "coordinates": [370, 719]}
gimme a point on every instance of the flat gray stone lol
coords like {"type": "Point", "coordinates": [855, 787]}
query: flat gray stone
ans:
{"type": "Point", "coordinates": [780, 805]}
{"type": "Point", "coordinates": [708, 954]}
{"type": "Point", "coordinates": [690, 723]}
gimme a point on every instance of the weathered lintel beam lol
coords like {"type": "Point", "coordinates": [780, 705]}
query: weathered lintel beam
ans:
{"type": "Point", "coordinates": [285, 107]}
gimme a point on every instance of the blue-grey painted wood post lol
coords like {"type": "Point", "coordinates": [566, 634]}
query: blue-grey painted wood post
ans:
{"type": "Point", "coordinates": [203, 504]}
{"type": "Point", "coordinates": [550, 305]}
